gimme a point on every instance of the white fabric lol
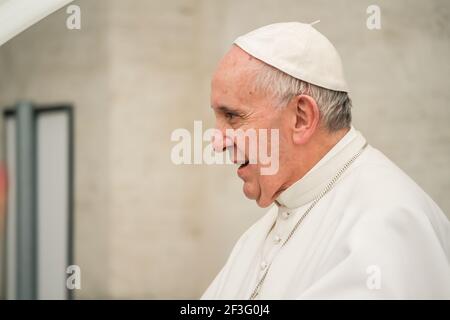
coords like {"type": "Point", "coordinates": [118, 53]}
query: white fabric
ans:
{"type": "Point", "coordinates": [18, 15]}
{"type": "Point", "coordinates": [299, 50]}
{"type": "Point", "coordinates": [374, 217]}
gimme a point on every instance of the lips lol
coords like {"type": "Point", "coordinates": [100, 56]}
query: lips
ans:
{"type": "Point", "coordinates": [239, 159]}
{"type": "Point", "coordinates": [241, 171]}
{"type": "Point", "coordinates": [244, 164]}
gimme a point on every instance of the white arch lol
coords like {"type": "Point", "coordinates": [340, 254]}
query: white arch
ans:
{"type": "Point", "coordinates": [18, 15]}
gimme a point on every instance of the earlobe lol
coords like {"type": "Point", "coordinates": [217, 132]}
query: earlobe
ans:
{"type": "Point", "coordinates": [307, 119]}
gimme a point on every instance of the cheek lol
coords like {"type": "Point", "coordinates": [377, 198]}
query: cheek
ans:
{"type": "Point", "coordinates": [258, 186]}
{"type": "Point", "coordinates": [266, 181]}
{"type": "Point", "coordinates": [284, 149]}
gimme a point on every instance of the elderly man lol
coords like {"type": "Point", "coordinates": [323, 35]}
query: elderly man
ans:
{"type": "Point", "coordinates": [346, 222]}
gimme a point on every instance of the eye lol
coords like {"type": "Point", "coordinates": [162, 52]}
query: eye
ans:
{"type": "Point", "coordinates": [229, 115]}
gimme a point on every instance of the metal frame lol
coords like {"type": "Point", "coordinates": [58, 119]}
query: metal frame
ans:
{"type": "Point", "coordinates": [30, 113]}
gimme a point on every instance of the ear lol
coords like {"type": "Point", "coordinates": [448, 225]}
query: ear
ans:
{"type": "Point", "coordinates": [307, 118]}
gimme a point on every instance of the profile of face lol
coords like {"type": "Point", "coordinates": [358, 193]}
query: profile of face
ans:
{"type": "Point", "coordinates": [238, 105]}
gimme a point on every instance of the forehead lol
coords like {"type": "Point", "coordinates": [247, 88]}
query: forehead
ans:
{"type": "Point", "coordinates": [234, 76]}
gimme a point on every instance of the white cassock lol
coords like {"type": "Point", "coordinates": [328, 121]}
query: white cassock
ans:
{"type": "Point", "coordinates": [375, 235]}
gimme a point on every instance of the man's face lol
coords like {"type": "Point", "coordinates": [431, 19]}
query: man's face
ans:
{"type": "Point", "coordinates": [237, 105]}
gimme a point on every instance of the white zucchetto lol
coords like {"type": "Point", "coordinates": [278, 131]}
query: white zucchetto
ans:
{"type": "Point", "coordinates": [299, 50]}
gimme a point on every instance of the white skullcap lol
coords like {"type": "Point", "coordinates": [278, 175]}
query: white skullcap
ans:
{"type": "Point", "coordinates": [298, 50]}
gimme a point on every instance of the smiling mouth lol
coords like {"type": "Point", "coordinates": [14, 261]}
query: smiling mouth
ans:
{"type": "Point", "coordinates": [244, 164]}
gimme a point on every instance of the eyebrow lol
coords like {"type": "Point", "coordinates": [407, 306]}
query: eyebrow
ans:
{"type": "Point", "coordinates": [226, 109]}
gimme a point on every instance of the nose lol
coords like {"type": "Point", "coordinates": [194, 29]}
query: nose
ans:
{"type": "Point", "coordinates": [221, 141]}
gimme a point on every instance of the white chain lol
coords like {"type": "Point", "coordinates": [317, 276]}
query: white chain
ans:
{"type": "Point", "coordinates": [320, 196]}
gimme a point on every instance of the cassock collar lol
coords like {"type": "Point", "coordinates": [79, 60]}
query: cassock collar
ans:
{"type": "Point", "coordinates": [309, 186]}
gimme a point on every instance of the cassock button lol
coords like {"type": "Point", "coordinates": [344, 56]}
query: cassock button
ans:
{"type": "Point", "coordinates": [277, 239]}
{"type": "Point", "coordinates": [263, 265]}
{"type": "Point", "coordinates": [286, 214]}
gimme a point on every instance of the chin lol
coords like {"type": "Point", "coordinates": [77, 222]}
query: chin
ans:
{"type": "Point", "coordinates": [250, 191]}
{"type": "Point", "coordinates": [254, 193]}
{"type": "Point", "coordinates": [263, 203]}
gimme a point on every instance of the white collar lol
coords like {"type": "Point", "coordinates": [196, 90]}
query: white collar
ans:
{"type": "Point", "coordinates": [315, 180]}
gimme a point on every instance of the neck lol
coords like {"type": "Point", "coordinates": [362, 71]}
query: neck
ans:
{"type": "Point", "coordinates": [311, 153]}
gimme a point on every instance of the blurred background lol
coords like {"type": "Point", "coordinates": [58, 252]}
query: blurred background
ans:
{"type": "Point", "coordinates": [137, 70]}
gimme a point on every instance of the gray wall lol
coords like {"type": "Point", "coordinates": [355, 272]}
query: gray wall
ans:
{"type": "Point", "coordinates": [146, 228]}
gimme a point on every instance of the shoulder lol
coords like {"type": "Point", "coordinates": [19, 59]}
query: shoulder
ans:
{"type": "Point", "coordinates": [391, 204]}
{"type": "Point", "coordinates": [381, 183]}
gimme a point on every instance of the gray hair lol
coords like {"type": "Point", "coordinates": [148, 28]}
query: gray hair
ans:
{"type": "Point", "coordinates": [334, 106]}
